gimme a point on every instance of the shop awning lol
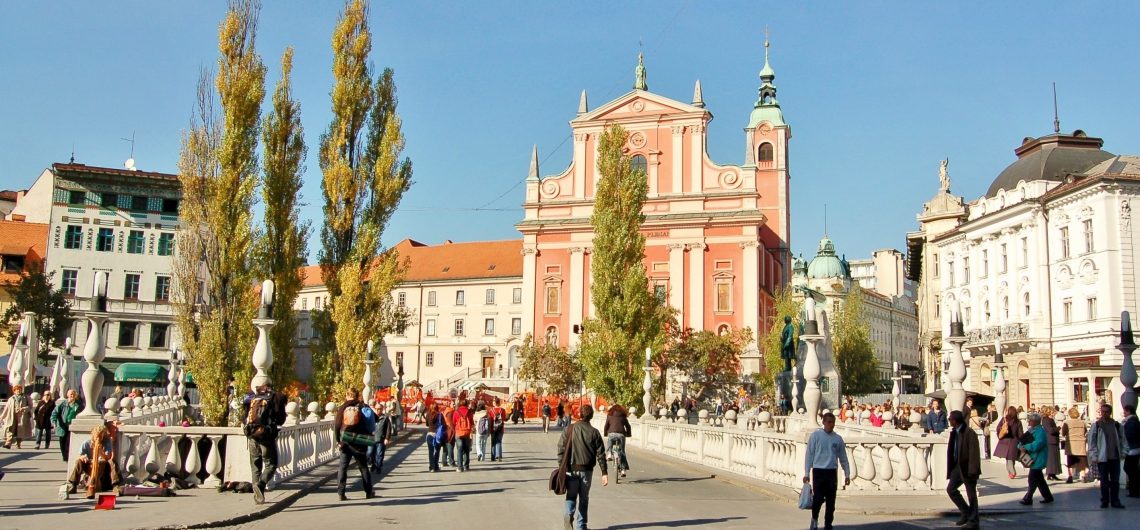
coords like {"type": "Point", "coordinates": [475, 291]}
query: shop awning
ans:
{"type": "Point", "coordinates": [140, 373]}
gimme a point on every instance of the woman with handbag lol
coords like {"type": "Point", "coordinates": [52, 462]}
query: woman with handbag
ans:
{"type": "Point", "coordinates": [1009, 430]}
{"type": "Point", "coordinates": [1075, 431]}
{"type": "Point", "coordinates": [1036, 445]}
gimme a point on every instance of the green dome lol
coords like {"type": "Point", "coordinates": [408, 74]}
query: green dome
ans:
{"type": "Point", "coordinates": [771, 114]}
{"type": "Point", "coordinates": [826, 264]}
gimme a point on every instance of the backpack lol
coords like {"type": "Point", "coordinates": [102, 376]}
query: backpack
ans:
{"type": "Point", "coordinates": [368, 419]}
{"type": "Point", "coordinates": [546, 410]}
{"type": "Point", "coordinates": [462, 425]}
{"type": "Point", "coordinates": [497, 419]}
{"type": "Point", "coordinates": [350, 416]}
{"type": "Point", "coordinates": [259, 420]}
{"type": "Point", "coordinates": [484, 425]}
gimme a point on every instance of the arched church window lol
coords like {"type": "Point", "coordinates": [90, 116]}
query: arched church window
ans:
{"type": "Point", "coordinates": [638, 163]}
{"type": "Point", "coordinates": [767, 153]}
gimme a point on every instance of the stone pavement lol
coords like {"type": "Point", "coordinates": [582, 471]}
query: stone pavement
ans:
{"type": "Point", "coordinates": [660, 492]}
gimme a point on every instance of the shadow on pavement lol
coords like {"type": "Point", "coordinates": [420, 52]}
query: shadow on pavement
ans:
{"type": "Point", "coordinates": [675, 524]}
{"type": "Point", "coordinates": [664, 480]}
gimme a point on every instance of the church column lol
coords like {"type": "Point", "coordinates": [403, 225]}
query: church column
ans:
{"type": "Point", "coordinates": [697, 285]}
{"type": "Point", "coordinates": [580, 165]}
{"type": "Point", "coordinates": [529, 286]}
{"type": "Point", "coordinates": [677, 280]}
{"type": "Point", "coordinates": [750, 274]}
{"type": "Point", "coordinates": [576, 287]}
{"type": "Point", "coordinates": [652, 164]}
{"type": "Point", "coordinates": [678, 173]}
{"type": "Point", "coordinates": [696, 156]}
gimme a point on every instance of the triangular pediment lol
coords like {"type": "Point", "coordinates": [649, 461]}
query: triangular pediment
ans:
{"type": "Point", "coordinates": [638, 103]}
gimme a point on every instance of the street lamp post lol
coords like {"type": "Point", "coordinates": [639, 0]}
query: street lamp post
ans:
{"type": "Point", "coordinates": [368, 362]}
{"type": "Point", "coordinates": [999, 378]}
{"type": "Point", "coordinates": [811, 371]}
{"type": "Point", "coordinates": [94, 350]}
{"type": "Point", "coordinates": [956, 396]}
{"type": "Point", "coordinates": [647, 386]}
{"type": "Point", "coordinates": [1127, 369]}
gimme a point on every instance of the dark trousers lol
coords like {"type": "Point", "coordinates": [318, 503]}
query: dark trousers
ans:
{"type": "Point", "coordinates": [463, 452]}
{"type": "Point", "coordinates": [449, 452]}
{"type": "Point", "coordinates": [578, 498]}
{"type": "Point", "coordinates": [65, 444]}
{"type": "Point", "coordinates": [433, 453]}
{"type": "Point", "coordinates": [377, 452]}
{"type": "Point", "coordinates": [824, 482]}
{"type": "Point", "coordinates": [262, 460]}
{"type": "Point", "coordinates": [1037, 483]}
{"type": "Point", "coordinates": [1132, 467]}
{"type": "Point", "coordinates": [986, 440]}
{"type": "Point", "coordinates": [349, 453]}
{"type": "Point", "coordinates": [969, 511]}
{"type": "Point", "coordinates": [497, 445]}
{"type": "Point", "coordinates": [1109, 481]}
{"type": "Point", "coordinates": [45, 435]}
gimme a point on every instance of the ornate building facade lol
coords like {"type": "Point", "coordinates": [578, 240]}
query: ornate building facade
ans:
{"type": "Point", "coordinates": [717, 236]}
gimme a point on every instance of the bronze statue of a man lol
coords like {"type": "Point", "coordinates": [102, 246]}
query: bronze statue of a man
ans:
{"type": "Point", "coordinates": [788, 343]}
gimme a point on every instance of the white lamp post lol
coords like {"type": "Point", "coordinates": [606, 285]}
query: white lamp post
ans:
{"type": "Point", "coordinates": [1127, 369]}
{"type": "Point", "coordinates": [811, 370]}
{"type": "Point", "coordinates": [647, 385]}
{"type": "Point", "coordinates": [263, 351]}
{"type": "Point", "coordinates": [956, 396]}
{"type": "Point", "coordinates": [94, 350]}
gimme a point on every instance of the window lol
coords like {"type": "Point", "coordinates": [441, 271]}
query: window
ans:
{"type": "Point", "coordinates": [138, 203]}
{"type": "Point", "coordinates": [135, 242]}
{"type": "Point", "coordinates": [489, 297]}
{"type": "Point", "coordinates": [317, 303]}
{"type": "Point", "coordinates": [1088, 235]}
{"type": "Point", "coordinates": [459, 327]}
{"type": "Point", "coordinates": [966, 270]}
{"type": "Point", "coordinates": [131, 287]}
{"type": "Point", "coordinates": [429, 328]}
{"type": "Point", "coordinates": [1092, 307]}
{"type": "Point", "coordinates": [986, 310]}
{"type": "Point", "coordinates": [950, 271]}
{"type": "Point", "coordinates": [934, 261]}
{"type": "Point", "coordinates": [1025, 303]}
{"type": "Point", "coordinates": [401, 299]}
{"type": "Point", "coordinates": [431, 299]}
{"type": "Point", "coordinates": [552, 302]}
{"type": "Point", "coordinates": [552, 335]}
{"type": "Point", "coordinates": [1004, 258]}
{"type": "Point", "coordinates": [158, 334]}
{"type": "Point", "coordinates": [516, 295]}
{"type": "Point", "coordinates": [637, 163]}
{"type": "Point", "coordinates": [76, 198]}
{"type": "Point", "coordinates": [458, 358]}
{"type": "Point", "coordinates": [966, 316]}
{"type": "Point", "coordinates": [985, 263]}
{"type": "Point", "coordinates": [1005, 307]}
{"type": "Point", "coordinates": [166, 244]}
{"type": "Point", "coordinates": [70, 281]}
{"type": "Point", "coordinates": [128, 332]}
{"type": "Point", "coordinates": [13, 263]}
{"type": "Point", "coordinates": [108, 200]}
{"type": "Point", "coordinates": [162, 289]}
{"type": "Point", "coordinates": [429, 358]}
{"type": "Point", "coordinates": [766, 153]}
{"type": "Point", "coordinates": [1065, 242]}
{"type": "Point", "coordinates": [105, 242]}
{"type": "Point", "coordinates": [401, 325]}
{"type": "Point", "coordinates": [516, 326]}
{"type": "Point", "coordinates": [937, 306]}
{"type": "Point", "coordinates": [489, 326]}
{"type": "Point", "coordinates": [1025, 252]}
{"type": "Point", "coordinates": [304, 304]}
{"type": "Point", "coordinates": [73, 238]}
{"type": "Point", "coordinates": [1067, 310]}
{"type": "Point", "coordinates": [170, 206]}
{"type": "Point", "coordinates": [723, 296]}
{"type": "Point", "coordinates": [459, 297]}
{"type": "Point", "coordinates": [659, 291]}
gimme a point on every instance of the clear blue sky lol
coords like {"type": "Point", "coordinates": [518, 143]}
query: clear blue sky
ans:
{"type": "Point", "coordinates": [876, 92]}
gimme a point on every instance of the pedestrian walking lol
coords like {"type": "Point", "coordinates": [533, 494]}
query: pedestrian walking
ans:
{"type": "Point", "coordinates": [587, 450]}
{"type": "Point", "coordinates": [1053, 437]}
{"type": "Point", "coordinates": [384, 434]}
{"type": "Point", "coordinates": [448, 449]}
{"type": "Point", "coordinates": [561, 414]}
{"type": "Point", "coordinates": [963, 467]}
{"type": "Point", "coordinates": [42, 418]}
{"type": "Point", "coordinates": [1131, 427]}
{"type": "Point", "coordinates": [1008, 432]}
{"type": "Point", "coordinates": [1036, 443]}
{"type": "Point", "coordinates": [464, 421]}
{"type": "Point", "coordinates": [545, 416]}
{"type": "Point", "coordinates": [17, 418]}
{"type": "Point", "coordinates": [1075, 432]}
{"type": "Point", "coordinates": [436, 432]}
{"type": "Point", "coordinates": [61, 417]}
{"type": "Point", "coordinates": [497, 418]}
{"type": "Point", "coordinates": [825, 453]}
{"type": "Point", "coordinates": [1105, 447]}
{"type": "Point", "coordinates": [420, 411]}
{"type": "Point", "coordinates": [263, 414]}
{"type": "Point", "coordinates": [482, 430]}
{"type": "Point", "coordinates": [353, 435]}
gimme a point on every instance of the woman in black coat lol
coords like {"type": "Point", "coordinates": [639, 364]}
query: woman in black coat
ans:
{"type": "Point", "coordinates": [1053, 437]}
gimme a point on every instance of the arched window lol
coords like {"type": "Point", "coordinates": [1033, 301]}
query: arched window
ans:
{"type": "Point", "coordinates": [766, 153]}
{"type": "Point", "coordinates": [1025, 302]}
{"type": "Point", "coordinates": [638, 163]}
{"type": "Point", "coordinates": [1005, 307]}
{"type": "Point", "coordinates": [723, 330]}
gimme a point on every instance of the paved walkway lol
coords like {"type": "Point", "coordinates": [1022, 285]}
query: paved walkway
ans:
{"type": "Point", "coordinates": [660, 492]}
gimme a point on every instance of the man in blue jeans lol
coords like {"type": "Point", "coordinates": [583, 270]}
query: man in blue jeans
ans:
{"type": "Point", "coordinates": [587, 450]}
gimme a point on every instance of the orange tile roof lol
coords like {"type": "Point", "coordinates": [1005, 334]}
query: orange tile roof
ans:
{"type": "Point", "coordinates": [22, 239]}
{"type": "Point", "coordinates": [450, 261]}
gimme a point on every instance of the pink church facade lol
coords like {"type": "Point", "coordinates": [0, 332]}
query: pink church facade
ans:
{"type": "Point", "coordinates": [717, 236]}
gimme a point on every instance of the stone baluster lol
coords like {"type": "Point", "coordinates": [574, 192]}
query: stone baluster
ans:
{"type": "Point", "coordinates": [867, 467]}
{"type": "Point", "coordinates": [703, 417]}
{"type": "Point", "coordinates": [885, 470]}
{"type": "Point", "coordinates": [663, 414]}
{"type": "Point", "coordinates": [134, 443]}
{"type": "Point", "coordinates": [313, 407]}
{"type": "Point", "coordinates": [921, 465]}
{"type": "Point", "coordinates": [94, 350]}
{"type": "Point", "coordinates": [368, 362]}
{"type": "Point", "coordinates": [181, 380]}
{"type": "Point", "coordinates": [172, 374]}
{"type": "Point", "coordinates": [956, 396]}
{"type": "Point", "coordinates": [853, 463]}
{"type": "Point", "coordinates": [262, 351]}
{"type": "Point", "coordinates": [330, 411]}
{"type": "Point", "coordinates": [292, 414]}
{"type": "Point", "coordinates": [138, 408]}
{"type": "Point", "coordinates": [151, 463]}
{"type": "Point", "coordinates": [1127, 368]}
{"type": "Point", "coordinates": [111, 406]}
{"type": "Point", "coordinates": [214, 461]}
{"type": "Point", "coordinates": [903, 470]}
{"type": "Point", "coordinates": [126, 405]}
{"type": "Point", "coordinates": [148, 405]}
{"type": "Point", "coordinates": [730, 419]}
{"type": "Point", "coordinates": [173, 457]}
{"type": "Point", "coordinates": [647, 385]}
{"type": "Point", "coordinates": [811, 369]}
{"type": "Point", "coordinates": [64, 369]}
{"type": "Point", "coordinates": [194, 460]}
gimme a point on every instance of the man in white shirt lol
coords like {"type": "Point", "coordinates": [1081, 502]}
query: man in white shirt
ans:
{"type": "Point", "coordinates": [825, 450]}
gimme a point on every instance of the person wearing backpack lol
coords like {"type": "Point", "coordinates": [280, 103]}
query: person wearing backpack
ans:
{"type": "Point", "coordinates": [545, 416]}
{"type": "Point", "coordinates": [464, 421]}
{"type": "Point", "coordinates": [482, 430]}
{"type": "Point", "coordinates": [384, 434]}
{"type": "Point", "coordinates": [354, 435]}
{"type": "Point", "coordinates": [263, 413]}
{"type": "Point", "coordinates": [497, 418]}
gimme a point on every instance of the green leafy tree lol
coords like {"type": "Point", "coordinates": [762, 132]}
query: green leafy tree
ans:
{"type": "Point", "coordinates": [854, 355]}
{"type": "Point", "coordinates": [554, 366]}
{"type": "Point", "coordinates": [215, 300]}
{"type": "Point", "coordinates": [711, 361]}
{"type": "Point", "coordinates": [34, 292]}
{"type": "Point", "coordinates": [363, 183]}
{"type": "Point", "coordinates": [629, 318]}
{"type": "Point", "coordinates": [280, 251]}
{"type": "Point", "coordinates": [784, 304]}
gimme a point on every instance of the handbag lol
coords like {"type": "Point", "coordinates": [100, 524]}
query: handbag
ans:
{"type": "Point", "coordinates": [1026, 459]}
{"type": "Point", "coordinates": [805, 497]}
{"type": "Point", "coordinates": [1003, 430]}
{"type": "Point", "coordinates": [558, 476]}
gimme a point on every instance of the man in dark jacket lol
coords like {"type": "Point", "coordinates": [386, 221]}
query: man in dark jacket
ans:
{"type": "Point", "coordinates": [261, 429]}
{"type": "Point", "coordinates": [935, 419]}
{"type": "Point", "coordinates": [354, 435]}
{"type": "Point", "coordinates": [1131, 428]}
{"type": "Point", "coordinates": [385, 433]}
{"type": "Point", "coordinates": [963, 466]}
{"type": "Point", "coordinates": [586, 451]}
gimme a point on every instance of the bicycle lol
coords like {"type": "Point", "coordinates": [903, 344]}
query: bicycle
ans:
{"type": "Point", "coordinates": [617, 454]}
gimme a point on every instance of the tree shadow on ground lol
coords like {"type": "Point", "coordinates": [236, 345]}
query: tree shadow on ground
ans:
{"type": "Point", "coordinates": [663, 480]}
{"type": "Point", "coordinates": [675, 524]}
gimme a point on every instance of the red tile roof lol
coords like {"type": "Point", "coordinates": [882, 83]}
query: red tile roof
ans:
{"type": "Point", "coordinates": [22, 239]}
{"type": "Point", "coordinates": [450, 261]}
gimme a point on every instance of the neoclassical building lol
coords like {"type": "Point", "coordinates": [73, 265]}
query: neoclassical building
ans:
{"type": "Point", "coordinates": [717, 235]}
{"type": "Point", "coordinates": [1042, 267]}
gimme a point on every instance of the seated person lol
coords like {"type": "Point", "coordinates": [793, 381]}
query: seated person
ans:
{"type": "Point", "coordinates": [100, 448]}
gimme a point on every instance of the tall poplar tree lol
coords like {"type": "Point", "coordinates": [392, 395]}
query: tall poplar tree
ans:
{"type": "Point", "coordinates": [854, 355]}
{"type": "Point", "coordinates": [364, 181]}
{"type": "Point", "coordinates": [629, 318]}
{"type": "Point", "coordinates": [280, 252]}
{"type": "Point", "coordinates": [218, 170]}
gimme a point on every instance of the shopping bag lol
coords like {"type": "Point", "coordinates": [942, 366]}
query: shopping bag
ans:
{"type": "Point", "coordinates": [805, 497]}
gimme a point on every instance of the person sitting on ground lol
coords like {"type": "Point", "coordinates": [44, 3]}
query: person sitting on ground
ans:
{"type": "Point", "coordinates": [97, 462]}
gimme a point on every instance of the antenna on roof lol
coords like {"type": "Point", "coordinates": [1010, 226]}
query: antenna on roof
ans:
{"type": "Point", "coordinates": [72, 153]}
{"type": "Point", "coordinates": [1056, 118]}
{"type": "Point", "coordinates": [130, 163]}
